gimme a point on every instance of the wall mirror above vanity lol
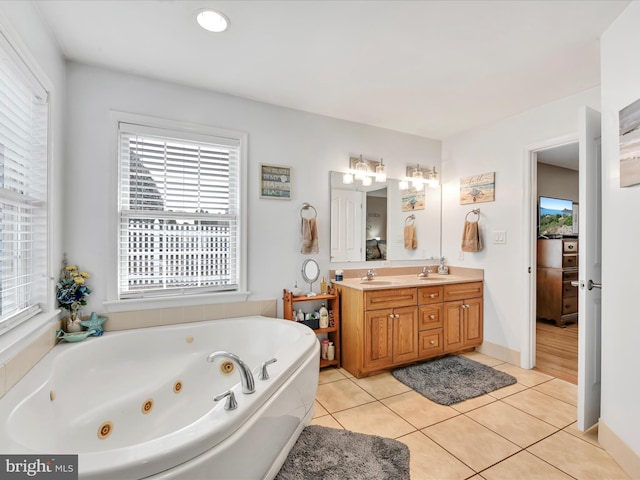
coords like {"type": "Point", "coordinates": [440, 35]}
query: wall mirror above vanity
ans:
{"type": "Point", "coordinates": [368, 222]}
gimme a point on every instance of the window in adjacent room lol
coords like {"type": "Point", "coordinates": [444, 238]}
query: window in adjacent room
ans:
{"type": "Point", "coordinates": [24, 112]}
{"type": "Point", "coordinates": [179, 212]}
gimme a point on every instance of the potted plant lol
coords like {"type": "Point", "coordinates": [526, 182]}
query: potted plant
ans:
{"type": "Point", "coordinates": [71, 293]}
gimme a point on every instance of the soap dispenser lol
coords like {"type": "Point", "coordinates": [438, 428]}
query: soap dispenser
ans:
{"type": "Point", "coordinates": [443, 269]}
{"type": "Point", "coordinates": [324, 317]}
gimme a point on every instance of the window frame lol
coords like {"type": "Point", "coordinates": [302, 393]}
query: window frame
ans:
{"type": "Point", "coordinates": [116, 304]}
{"type": "Point", "coordinates": [40, 311]}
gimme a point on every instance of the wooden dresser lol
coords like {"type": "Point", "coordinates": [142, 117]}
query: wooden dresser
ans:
{"type": "Point", "coordinates": [557, 267]}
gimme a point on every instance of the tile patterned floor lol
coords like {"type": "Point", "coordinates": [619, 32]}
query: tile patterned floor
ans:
{"type": "Point", "coordinates": [524, 431]}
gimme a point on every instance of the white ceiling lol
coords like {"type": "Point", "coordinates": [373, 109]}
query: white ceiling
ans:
{"type": "Point", "coordinates": [431, 68]}
{"type": "Point", "coordinates": [565, 156]}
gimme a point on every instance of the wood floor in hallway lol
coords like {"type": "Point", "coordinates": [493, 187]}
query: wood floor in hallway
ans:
{"type": "Point", "coordinates": [557, 350]}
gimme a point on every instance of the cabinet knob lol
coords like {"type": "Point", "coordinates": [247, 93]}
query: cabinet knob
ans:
{"type": "Point", "coordinates": [433, 295]}
{"type": "Point", "coordinates": [432, 317]}
{"type": "Point", "coordinates": [397, 315]}
{"type": "Point", "coordinates": [432, 342]}
{"type": "Point", "coordinates": [391, 315]}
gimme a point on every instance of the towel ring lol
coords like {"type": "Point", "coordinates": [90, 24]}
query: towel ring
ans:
{"type": "Point", "coordinates": [475, 211]}
{"type": "Point", "coordinates": [307, 206]}
{"type": "Point", "coordinates": [410, 217]}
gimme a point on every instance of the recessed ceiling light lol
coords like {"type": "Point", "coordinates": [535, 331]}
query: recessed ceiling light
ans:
{"type": "Point", "coordinates": [212, 21]}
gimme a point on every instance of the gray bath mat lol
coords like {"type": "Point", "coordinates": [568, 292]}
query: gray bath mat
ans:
{"type": "Point", "coordinates": [323, 453]}
{"type": "Point", "coordinates": [452, 379]}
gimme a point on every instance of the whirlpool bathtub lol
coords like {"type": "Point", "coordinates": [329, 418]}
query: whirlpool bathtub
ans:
{"type": "Point", "coordinates": [139, 403]}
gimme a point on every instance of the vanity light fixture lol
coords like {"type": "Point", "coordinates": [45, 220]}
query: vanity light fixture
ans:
{"type": "Point", "coordinates": [347, 178]}
{"type": "Point", "coordinates": [212, 20]}
{"type": "Point", "coordinates": [417, 178]}
{"type": "Point", "coordinates": [381, 173]}
{"type": "Point", "coordinates": [432, 178]}
{"type": "Point", "coordinates": [361, 169]}
{"type": "Point", "coordinates": [366, 181]}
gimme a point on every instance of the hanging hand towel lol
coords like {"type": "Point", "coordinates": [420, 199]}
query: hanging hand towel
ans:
{"type": "Point", "coordinates": [471, 240]}
{"type": "Point", "coordinates": [410, 240]}
{"type": "Point", "coordinates": [309, 236]}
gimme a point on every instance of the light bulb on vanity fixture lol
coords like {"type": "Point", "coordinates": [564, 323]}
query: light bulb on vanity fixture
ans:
{"type": "Point", "coordinates": [417, 178]}
{"type": "Point", "coordinates": [381, 173]}
{"type": "Point", "coordinates": [361, 169]}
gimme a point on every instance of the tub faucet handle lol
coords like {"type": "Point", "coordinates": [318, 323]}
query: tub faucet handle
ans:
{"type": "Point", "coordinates": [264, 374]}
{"type": "Point", "coordinates": [231, 403]}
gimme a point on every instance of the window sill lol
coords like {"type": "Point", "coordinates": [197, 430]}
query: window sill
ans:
{"type": "Point", "coordinates": [150, 303]}
{"type": "Point", "coordinates": [16, 339]}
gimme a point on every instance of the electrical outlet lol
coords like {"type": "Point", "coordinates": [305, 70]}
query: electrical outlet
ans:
{"type": "Point", "coordinates": [460, 255]}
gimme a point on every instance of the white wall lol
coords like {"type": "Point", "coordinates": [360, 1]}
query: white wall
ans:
{"type": "Point", "coordinates": [313, 145]}
{"type": "Point", "coordinates": [38, 47]}
{"type": "Point", "coordinates": [558, 182]}
{"type": "Point", "coordinates": [500, 148]}
{"type": "Point", "coordinates": [621, 231]}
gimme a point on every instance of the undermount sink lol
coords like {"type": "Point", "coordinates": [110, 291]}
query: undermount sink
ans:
{"type": "Point", "coordinates": [376, 282]}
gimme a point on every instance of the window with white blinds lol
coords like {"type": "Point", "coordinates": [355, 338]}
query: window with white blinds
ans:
{"type": "Point", "coordinates": [179, 212]}
{"type": "Point", "coordinates": [23, 190]}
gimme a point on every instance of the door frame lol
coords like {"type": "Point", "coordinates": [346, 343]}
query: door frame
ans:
{"type": "Point", "coordinates": [528, 348]}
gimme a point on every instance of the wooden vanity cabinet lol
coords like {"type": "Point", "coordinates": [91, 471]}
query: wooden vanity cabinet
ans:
{"type": "Point", "coordinates": [382, 329]}
{"type": "Point", "coordinates": [463, 310]}
{"type": "Point", "coordinates": [391, 333]}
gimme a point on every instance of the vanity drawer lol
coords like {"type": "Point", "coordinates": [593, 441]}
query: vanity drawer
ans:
{"type": "Point", "coordinates": [430, 317]}
{"type": "Point", "coordinates": [428, 295]}
{"type": "Point", "coordinates": [569, 305]}
{"type": "Point", "coordinates": [569, 276]}
{"type": "Point", "coordinates": [570, 246]}
{"type": "Point", "coordinates": [569, 261]}
{"type": "Point", "coordinates": [462, 291]}
{"type": "Point", "coordinates": [430, 343]}
{"type": "Point", "coordinates": [397, 297]}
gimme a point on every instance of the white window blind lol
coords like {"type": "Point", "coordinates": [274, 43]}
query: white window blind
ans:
{"type": "Point", "coordinates": [179, 210]}
{"type": "Point", "coordinates": [23, 190]}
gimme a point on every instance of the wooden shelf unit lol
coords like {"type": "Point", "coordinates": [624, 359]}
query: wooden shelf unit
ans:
{"type": "Point", "coordinates": [332, 301]}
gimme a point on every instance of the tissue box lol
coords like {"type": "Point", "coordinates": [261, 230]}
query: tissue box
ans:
{"type": "Point", "coordinates": [313, 323]}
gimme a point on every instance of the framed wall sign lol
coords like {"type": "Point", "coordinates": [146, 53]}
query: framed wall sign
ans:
{"type": "Point", "coordinates": [275, 182]}
{"type": "Point", "coordinates": [478, 188]}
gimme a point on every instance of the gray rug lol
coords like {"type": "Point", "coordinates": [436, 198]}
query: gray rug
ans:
{"type": "Point", "coordinates": [331, 454]}
{"type": "Point", "coordinates": [452, 379]}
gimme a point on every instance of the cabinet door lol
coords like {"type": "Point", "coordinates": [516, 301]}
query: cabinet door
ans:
{"type": "Point", "coordinates": [378, 338]}
{"type": "Point", "coordinates": [405, 334]}
{"type": "Point", "coordinates": [472, 322]}
{"type": "Point", "coordinates": [453, 326]}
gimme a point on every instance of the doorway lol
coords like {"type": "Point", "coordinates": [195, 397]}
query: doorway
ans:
{"type": "Point", "coordinates": [557, 229]}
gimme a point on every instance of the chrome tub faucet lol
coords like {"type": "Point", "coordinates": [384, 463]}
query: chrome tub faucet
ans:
{"type": "Point", "coordinates": [246, 377]}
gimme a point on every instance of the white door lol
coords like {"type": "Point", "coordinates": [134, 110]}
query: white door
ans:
{"type": "Point", "coordinates": [589, 260]}
{"type": "Point", "coordinates": [346, 226]}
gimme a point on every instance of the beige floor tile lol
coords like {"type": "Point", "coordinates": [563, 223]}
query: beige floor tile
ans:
{"type": "Point", "coordinates": [330, 375]}
{"type": "Point", "coordinates": [577, 458]}
{"type": "Point", "coordinates": [565, 391]}
{"type": "Point", "coordinates": [591, 435]}
{"type": "Point", "coordinates": [544, 407]}
{"type": "Point", "coordinates": [473, 403]}
{"type": "Point", "coordinates": [528, 378]}
{"type": "Point", "coordinates": [418, 410]}
{"type": "Point", "coordinates": [513, 424]}
{"type": "Point", "coordinates": [341, 394]}
{"type": "Point", "coordinates": [345, 373]}
{"type": "Point", "coordinates": [326, 421]}
{"type": "Point", "coordinates": [482, 358]}
{"type": "Point", "coordinates": [382, 385]}
{"type": "Point", "coordinates": [429, 461]}
{"type": "Point", "coordinates": [319, 411]}
{"type": "Point", "coordinates": [526, 466]}
{"type": "Point", "coordinates": [374, 419]}
{"type": "Point", "coordinates": [475, 445]}
{"type": "Point", "coordinates": [509, 390]}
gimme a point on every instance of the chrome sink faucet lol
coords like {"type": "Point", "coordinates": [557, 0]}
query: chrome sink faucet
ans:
{"type": "Point", "coordinates": [246, 377]}
{"type": "Point", "coordinates": [425, 272]}
{"type": "Point", "coordinates": [370, 274]}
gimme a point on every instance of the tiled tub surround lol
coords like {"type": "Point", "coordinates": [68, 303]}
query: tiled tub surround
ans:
{"type": "Point", "coordinates": [154, 412]}
{"type": "Point", "coordinates": [37, 346]}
